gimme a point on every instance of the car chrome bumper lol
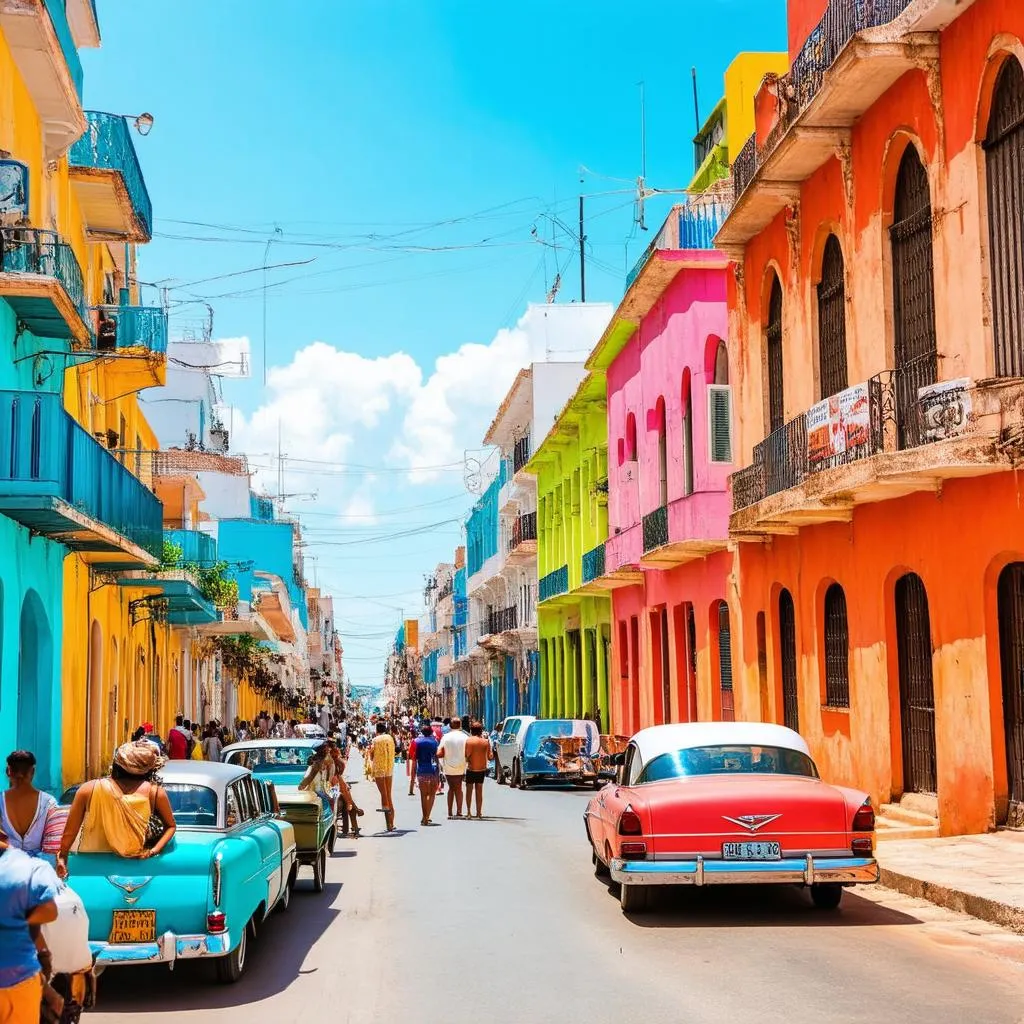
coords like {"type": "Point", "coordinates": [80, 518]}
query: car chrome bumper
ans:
{"type": "Point", "coordinates": [167, 948]}
{"type": "Point", "coordinates": [790, 870]}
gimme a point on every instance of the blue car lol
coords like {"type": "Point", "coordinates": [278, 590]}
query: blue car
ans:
{"type": "Point", "coordinates": [558, 750]}
{"type": "Point", "coordinates": [231, 862]}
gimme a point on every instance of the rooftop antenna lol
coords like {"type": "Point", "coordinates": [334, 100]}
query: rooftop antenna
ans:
{"type": "Point", "coordinates": [641, 182]}
{"type": "Point", "coordinates": [696, 108]}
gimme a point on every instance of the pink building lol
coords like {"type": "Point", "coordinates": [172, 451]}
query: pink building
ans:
{"type": "Point", "coordinates": [669, 459]}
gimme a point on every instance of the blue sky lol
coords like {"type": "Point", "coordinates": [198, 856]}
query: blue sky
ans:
{"type": "Point", "coordinates": [407, 148]}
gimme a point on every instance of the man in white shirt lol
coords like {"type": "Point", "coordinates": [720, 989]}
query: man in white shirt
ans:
{"type": "Point", "coordinates": [452, 755]}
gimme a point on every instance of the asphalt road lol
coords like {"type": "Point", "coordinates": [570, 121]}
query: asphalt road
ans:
{"type": "Point", "coordinates": [501, 921]}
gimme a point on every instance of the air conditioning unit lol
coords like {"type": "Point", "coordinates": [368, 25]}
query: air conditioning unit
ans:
{"type": "Point", "coordinates": [719, 423]}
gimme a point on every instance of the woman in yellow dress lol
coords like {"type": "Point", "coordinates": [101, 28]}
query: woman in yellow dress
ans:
{"type": "Point", "coordinates": [113, 814]}
{"type": "Point", "coordinates": [382, 763]}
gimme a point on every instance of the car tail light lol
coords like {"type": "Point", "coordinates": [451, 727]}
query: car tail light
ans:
{"type": "Point", "coordinates": [631, 851]}
{"type": "Point", "coordinates": [864, 819]}
{"type": "Point", "coordinates": [629, 823]}
{"type": "Point", "coordinates": [216, 922]}
{"type": "Point", "coordinates": [862, 847]}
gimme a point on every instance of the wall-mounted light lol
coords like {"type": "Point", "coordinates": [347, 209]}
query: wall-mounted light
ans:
{"type": "Point", "coordinates": [143, 124]}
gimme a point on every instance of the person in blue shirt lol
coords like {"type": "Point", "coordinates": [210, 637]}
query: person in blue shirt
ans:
{"type": "Point", "coordinates": [28, 891]}
{"type": "Point", "coordinates": [426, 771]}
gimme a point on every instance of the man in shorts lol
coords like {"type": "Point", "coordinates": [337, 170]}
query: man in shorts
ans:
{"type": "Point", "coordinates": [478, 753]}
{"type": "Point", "coordinates": [452, 753]}
{"type": "Point", "coordinates": [425, 771]}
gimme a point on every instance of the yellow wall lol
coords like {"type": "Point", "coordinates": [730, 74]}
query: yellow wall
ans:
{"type": "Point", "coordinates": [742, 79]}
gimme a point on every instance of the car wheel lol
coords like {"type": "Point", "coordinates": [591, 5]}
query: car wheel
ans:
{"type": "Point", "coordinates": [294, 876]}
{"type": "Point", "coordinates": [332, 838]}
{"type": "Point", "coordinates": [284, 901]}
{"type": "Point", "coordinates": [826, 895]}
{"type": "Point", "coordinates": [320, 870]}
{"type": "Point", "coordinates": [600, 868]}
{"type": "Point", "coordinates": [499, 775]}
{"type": "Point", "coordinates": [513, 775]}
{"type": "Point", "coordinates": [231, 967]}
{"type": "Point", "coordinates": [635, 899]}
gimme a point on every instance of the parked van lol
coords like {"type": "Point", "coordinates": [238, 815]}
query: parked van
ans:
{"type": "Point", "coordinates": [510, 746]}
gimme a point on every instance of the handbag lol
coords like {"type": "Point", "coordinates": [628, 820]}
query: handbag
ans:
{"type": "Point", "coordinates": [155, 827]}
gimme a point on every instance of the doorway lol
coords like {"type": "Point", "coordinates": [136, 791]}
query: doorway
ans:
{"type": "Point", "coordinates": [917, 692]}
{"type": "Point", "coordinates": [35, 685]}
{"type": "Point", "coordinates": [1011, 658]}
{"type": "Point", "coordinates": [787, 650]}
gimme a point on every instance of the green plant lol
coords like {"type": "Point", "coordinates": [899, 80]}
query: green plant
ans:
{"type": "Point", "coordinates": [215, 585]}
{"type": "Point", "coordinates": [170, 555]}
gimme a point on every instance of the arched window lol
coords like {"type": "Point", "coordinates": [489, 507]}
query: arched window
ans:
{"type": "Point", "coordinates": [659, 416]}
{"type": "Point", "coordinates": [687, 406]}
{"type": "Point", "coordinates": [787, 656]}
{"type": "Point", "coordinates": [773, 340]}
{"type": "Point", "coordinates": [721, 363]}
{"type": "Point", "coordinates": [631, 438]}
{"type": "Point", "coordinates": [913, 289]}
{"type": "Point", "coordinates": [832, 320]}
{"type": "Point", "coordinates": [837, 649]}
{"type": "Point", "coordinates": [719, 406]}
{"type": "Point", "coordinates": [1004, 168]}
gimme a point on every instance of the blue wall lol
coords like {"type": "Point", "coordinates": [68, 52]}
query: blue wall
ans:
{"type": "Point", "coordinates": [482, 526]}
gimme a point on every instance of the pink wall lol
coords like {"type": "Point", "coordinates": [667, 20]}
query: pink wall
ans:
{"type": "Point", "coordinates": [679, 334]}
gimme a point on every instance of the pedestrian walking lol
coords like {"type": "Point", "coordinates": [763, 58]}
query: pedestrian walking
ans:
{"type": "Point", "coordinates": [425, 772]}
{"type": "Point", "coordinates": [212, 745]}
{"type": "Point", "coordinates": [178, 740]}
{"type": "Point", "coordinates": [452, 754]}
{"type": "Point", "coordinates": [478, 754]}
{"type": "Point", "coordinates": [28, 893]}
{"type": "Point", "coordinates": [382, 767]}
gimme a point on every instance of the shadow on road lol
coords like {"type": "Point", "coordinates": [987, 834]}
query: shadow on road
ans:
{"type": "Point", "coordinates": [759, 906]}
{"type": "Point", "coordinates": [274, 962]}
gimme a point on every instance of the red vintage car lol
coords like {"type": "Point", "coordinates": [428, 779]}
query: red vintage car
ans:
{"type": "Point", "coordinates": [719, 803]}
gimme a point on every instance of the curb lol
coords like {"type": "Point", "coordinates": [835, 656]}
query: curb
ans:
{"type": "Point", "coordinates": [1003, 914]}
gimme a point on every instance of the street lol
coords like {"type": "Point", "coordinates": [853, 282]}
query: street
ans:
{"type": "Point", "coordinates": [502, 921]}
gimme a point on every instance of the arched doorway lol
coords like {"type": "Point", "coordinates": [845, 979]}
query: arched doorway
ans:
{"type": "Point", "coordinates": [773, 343]}
{"type": "Point", "coordinates": [917, 692]}
{"type": "Point", "coordinates": [787, 652]}
{"type": "Point", "coordinates": [35, 684]}
{"type": "Point", "coordinates": [114, 701]}
{"type": "Point", "coordinates": [1011, 659]}
{"type": "Point", "coordinates": [94, 711]}
{"type": "Point", "coordinates": [913, 289]}
{"type": "Point", "coordinates": [1004, 167]}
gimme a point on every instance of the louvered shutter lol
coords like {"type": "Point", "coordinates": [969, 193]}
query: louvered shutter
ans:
{"type": "Point", "coordinates": [720, 423]}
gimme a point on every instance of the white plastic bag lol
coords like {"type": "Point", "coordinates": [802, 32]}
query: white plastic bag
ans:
{"type": "Point", "coordinates": [68, 936]}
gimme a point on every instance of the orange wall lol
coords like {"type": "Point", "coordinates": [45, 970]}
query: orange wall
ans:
{"type": "Point", "coordinates": [801, 17]}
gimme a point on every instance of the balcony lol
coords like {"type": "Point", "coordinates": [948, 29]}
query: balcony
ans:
{"type": "Point", "coordinates": [172, 595]}
{"type": "Point", "coordinates": [850, 59]}
{"type": "Point", "coordinates": [126, 329]}
{"type": "Point", "coordinates": [40, 280]}
{"type": "Point", "coordinates": [275, 607]}
{"type": "Point", "coordinates": [593, 570]}
{"type": "Point", "coordinates": [242, 620]}
{"type": "Point", "coordinates": [43, 47]}
{"type": "Point", "coordinates": [522, 545]}
{"type": "Point", "coordinates": [521, 453]}
{"type": "Point", "coordinates": [58, 481]}
{"type": "Point", "coordinates": [690, 226]}
{"type": "Point", "coordinates": [108, 182]}
{"type": "Point", "coordinates": [554, 584]}
{"type": "Point", "coordinates": [687, 529]}
{"type": "Point", "coordinates": [894, 435]}
{"type": "Point", "coordinates": [197, 548]}
{"type": "Point", "coordinates": [502, 620]}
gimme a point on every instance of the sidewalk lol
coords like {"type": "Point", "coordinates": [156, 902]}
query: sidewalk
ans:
{"type": "Point", "coordinates": [978, 875]}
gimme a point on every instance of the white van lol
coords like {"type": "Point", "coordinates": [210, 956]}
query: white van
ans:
{"type": "Point", "coordinates": [510, 745]}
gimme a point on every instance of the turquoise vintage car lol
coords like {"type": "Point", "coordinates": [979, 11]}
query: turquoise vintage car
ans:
{"type": "Point", "coordinates": [231, 862]}
{"type": "Point", "coordinates": [282, 763]}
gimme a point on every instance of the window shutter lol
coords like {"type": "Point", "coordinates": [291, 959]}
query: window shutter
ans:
{"type": "Point", "coordinates": [720, 423]}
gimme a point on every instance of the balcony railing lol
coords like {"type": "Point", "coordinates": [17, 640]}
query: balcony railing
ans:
{"type": "Point", "coordinates": [692, 226]}
{"type": "Point", "coordinates": [502, 620]}
{"type": "Point", "coordinates": [593, 564]}
{"type": "Point", "coordinates": [57, 11]}
{"type": "Point", "coordinates": [48, 460]}
{"type": "Point", "coordinates": [197, 548]}
{"type": "Point", "coordinates": [887, 413]}
{"type": "Point", "coordinates": [107, 145]}
{"type": "Point", "coordinates": [523, 529]}
{"type": "Point", "coordinates": [554, 583]}
{"type": "Point", "coordinates": [445, 591]}
{"type": "Point", "coordinates": [45, 254]}
{"type": "Point", "coordinates": [521, 453]}
{"type": "Point", "coordinates": [123, 327]}
{"type": "Point", "coordinates": [655, 529]}
{"type": "Point", "coordinates": [842, 20]}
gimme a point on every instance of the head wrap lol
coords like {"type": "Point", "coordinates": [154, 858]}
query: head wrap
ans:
{"type": "Point", "coordinates": [139, 758]}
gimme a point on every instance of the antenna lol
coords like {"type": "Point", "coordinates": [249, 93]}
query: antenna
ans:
{"type": "Point", "coordinates": [641, 185]}
{"type": "Point", "coordinates": [696, 108]}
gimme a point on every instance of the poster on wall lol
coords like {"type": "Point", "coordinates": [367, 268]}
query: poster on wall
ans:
{"type": "Point", "coordinates": [945, 409]}
{"type": "Point", "coordinates": [839, 429]}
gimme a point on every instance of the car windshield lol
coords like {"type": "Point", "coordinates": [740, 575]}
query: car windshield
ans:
{"type": "Point", "coordinates": [538, 733]}
{"type": "Point", "coordinates": [728, 759]}
{"type": "Point", "coordinates": [192, 805]}
{"type": "Point", "coordinates": [262, 760]}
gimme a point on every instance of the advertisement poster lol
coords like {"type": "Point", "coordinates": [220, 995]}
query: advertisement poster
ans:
{"type": "Point", "coordinates": [839, 428]}
{"type": "Point", "coordinates": [945, 409]}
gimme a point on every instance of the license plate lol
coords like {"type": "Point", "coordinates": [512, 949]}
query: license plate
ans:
{"type": "Point", "coordinates": [133, 926]}
{"type": "Point", "coordinates": [754, 850]}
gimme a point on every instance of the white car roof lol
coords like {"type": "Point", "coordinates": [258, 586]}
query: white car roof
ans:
{"type": "Point", "coordinates": [663, 739]}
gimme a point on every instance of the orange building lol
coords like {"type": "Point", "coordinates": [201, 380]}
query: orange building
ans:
{"type": "Point", "coordinates": [877, 345]}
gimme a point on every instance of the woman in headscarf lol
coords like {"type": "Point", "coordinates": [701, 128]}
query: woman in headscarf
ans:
{"type": "Point", "coordinates": [121, 814]}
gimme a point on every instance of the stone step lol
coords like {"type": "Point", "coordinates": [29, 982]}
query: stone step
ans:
{"type": "Point", "coordinates": [887, 829]}
{"type": "Point", "coordinates": [907, 815]}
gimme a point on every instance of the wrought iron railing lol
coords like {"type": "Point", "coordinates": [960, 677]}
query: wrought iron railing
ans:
{"type": "Point", "coordinates": [523, 529]}
{"type": "Point", "coordinates": [502, 619]}
{"type": "Point", "coordinates": [36, 251]}
{"type": "Point", "coordinates": [197, 548]}
{"type": "Point", "coordinates": [655, 528]}
{"type": "Point", "coordinates": [842, 20]}
{"type": "Point", "coordinates": [593, 564]}
{"type": "Point", "coordinates": [132, 327]}
{"type": "Point", "coordinates": [45, 452]}
{"type": "Point", "coordinates": [554, 583]}
{"type": "Point", "coordinates": [521, 453]}
{"type": "Point", "coordinates": [690, 226]}
{"type": "Point", "coordinates": [107, 144]}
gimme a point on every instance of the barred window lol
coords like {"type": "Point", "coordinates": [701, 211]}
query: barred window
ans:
{"type": "Point", "coordinates": [837, 649]}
